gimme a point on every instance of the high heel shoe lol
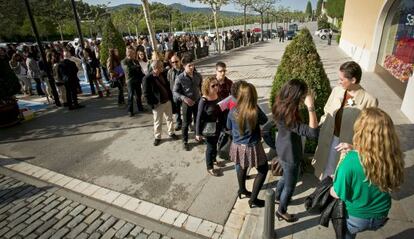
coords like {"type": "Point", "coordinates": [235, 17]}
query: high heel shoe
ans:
{"type": "Point", "coordinates": [287, 217]}
{"type": "Point", "coordinates": [245, 193]}
{"type": "Point", "coordinates": [256, 203]}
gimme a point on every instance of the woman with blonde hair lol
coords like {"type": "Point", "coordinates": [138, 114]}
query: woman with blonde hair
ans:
{"type": "Point", "coordinates": [246, 150]}
{"type": "Point", "coordinates": [209, 122]}
{"type": "Point", "coordinates": [367, 175]}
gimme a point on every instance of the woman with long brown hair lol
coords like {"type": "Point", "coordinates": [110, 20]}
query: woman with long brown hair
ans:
{"type": "Point", "coordinates": [116, 73]}
{"type": "Point", "coordinates": [289, 138]}
{"type": "Point", "coordinates": [246, 150]}
{"type": "Point", "coordinates": [366, 175]}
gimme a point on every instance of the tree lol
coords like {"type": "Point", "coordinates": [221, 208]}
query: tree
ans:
{"type": "Point", "coordinates": [262, 6]}
{"type": "Point", "coordinates": [215, 6]}
{"type": "Point", "coordinates": [335, 8]}
{"type": "Point", "coordinates": [301, 61]}
{"type": "Point", "coordinates": [111, 38]}
{"type": "Point", "coordinates": [245, 4]}
{"type": "Point", "coordinates": [319, 8]}
{"type": "Point", "coordinates": [308, 10]}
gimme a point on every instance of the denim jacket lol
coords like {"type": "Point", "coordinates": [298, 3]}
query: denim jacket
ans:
{"type": "Point", "coordinates": [250, 137]}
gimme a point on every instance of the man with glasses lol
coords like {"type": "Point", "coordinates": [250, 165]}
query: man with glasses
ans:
{"type": "Point", "coordinates": [187, 88]}
{"type": "Point", "coordinates": [224, 83]}
{"type": "Point", "coordinates": [171, 76]}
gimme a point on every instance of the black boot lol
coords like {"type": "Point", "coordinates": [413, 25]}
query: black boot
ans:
{"type": "Point", "coordinates": [241, 179]}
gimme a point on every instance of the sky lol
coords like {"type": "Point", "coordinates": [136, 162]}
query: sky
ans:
{"type": "Point", "coordinates": [293, 4]}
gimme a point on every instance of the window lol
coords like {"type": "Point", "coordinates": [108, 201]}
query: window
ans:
{"type": "Point", "coordinates": [396, 53]}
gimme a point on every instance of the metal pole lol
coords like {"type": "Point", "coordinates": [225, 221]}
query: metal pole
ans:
{"type": "Point", "coordinates": [78, 26]}
{"type": "Point", "coordinates": [42, 53]}
{"type": "Point", "coordinates": [269, 217]}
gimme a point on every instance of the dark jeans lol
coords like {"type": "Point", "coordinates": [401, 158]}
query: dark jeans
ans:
{"type": "Point", "coordinates": [91, 80]}
{"type": "Point", "coordinates": [188, 111]}
{"type": "Point", "coordinates": [355, 225]}
{"type": "Point", "coordinates": [134, 88]}
{"type": "Point", "coordinates": [258, 180]}
{"type": "Point", "coordinates": [121, 85]}
{"type": "Point", "coordinates": [211, 151]}
{"type": "Point", "coordinates": [39, 86]}
{"type": "Point", "coordinates": [177, 112]}
{"type": "Point", "coordinates": [71, 93]}
{"type": "Point", "coordinates": [286, 185]}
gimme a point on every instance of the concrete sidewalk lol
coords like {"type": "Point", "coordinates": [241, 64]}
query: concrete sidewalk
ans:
{"type": "Point", "coordinates": [401, 223]}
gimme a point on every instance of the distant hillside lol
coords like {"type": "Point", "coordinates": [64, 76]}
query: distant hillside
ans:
{"type": "Point", "coordinates": [181, 8]}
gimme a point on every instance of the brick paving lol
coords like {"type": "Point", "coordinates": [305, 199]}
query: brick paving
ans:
{"type": "Point", "coordinates": [27, 211]}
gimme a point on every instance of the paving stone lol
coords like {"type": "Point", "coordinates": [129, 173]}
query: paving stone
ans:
{"type": "Point", "coordinates": [64, 204]}
{"type": "Point", "coordinates": [17, 221]}
{"type": "Point", "coordinates": [75, 221]}
{"type": "Point", "coordinates": [142, 236]}
{"type": "Point", "coordinates": [63, 181]}
{"type": "Point", "coordinates": [119, 224]}
{"type": "Point", "coordinates": [74, 204]}
{"type": "Point", "coordinates": [145, 207]}
{"type": "Point", "coordinates": [77, 210]}
{"type": "Point", "coordinates": [50, 199]}
{"type": "Point", "coordinates": [17, 207]}
{"type": "Point", "coordinates": [30, 228]}
{"type": "Point", "coordinates": [109, 234]}
{"type": "Point", "coordinates": [121, 233]}
{"type": "Point", "coordinates": [62, 222]}
{"type": "Point", "coordinates": [3, 223]}
{"type": "Point", "coordinates": [15, 230]}
{"type": "Point", "coordinates": [50, 214]}
{"type": "Point", "coordinates": [4, 230]}
{"type": "Point", "coordinates": [107, 224]}
{"type": "Point", "coordinates": [82, 236]}
{"type": "Point", "coordinates": [92, 217]}
{"type": "Point", "coordinates": [34, 217]}
{"type": "Point", "coordinates": [206, 228]}
{"type": "Point", "coordinates": [60, 233]}
{"type": "Point", "coordinates": [37, 202]}
{"type": "Point", "coordinates": [121, 200]}
{"type": "Point", "coordinates": [110, 196]}
{"type": "Point", "coordinates": [156, 212]}
{"type": "Point", "coordinates": [87, 211]}
{"type": "Point", "coordinates": [192, 223]}
{"type": "Point", "coordinates": [48, 234]}
{"type": "Point", "coordinates": [46, 225]}
{"type": "Point", "coordinates": [63, 212]}
{"type": "Point", "coordinates": [137, 229]}
{"type": "Point", "coordinates": [95, 235]}
{"type": "Point", "coordinates": [77, 230]}
{"type": "Point", "coordinates": [169, 216]}
{"type": "Point", "coordinates": [154, 235]}
{"type": "Point", "coordinates": [132, 204]}
{"type": "Point", "coordinates": [147, 231]}
{"type": "Point", "coordinates": [94, 226]}
{"type": "Point", "coordinates": [165, 237]}
{"type": "Point", "coordinates": [105, 216]}
{"type": "Point", "coordinates": [17, 214]}
{"type": "Point", "coordinates": [5, 208]}
{"type": "Point", "coordinates": [180, 220]}
{"type": "Point", "coordinates": [50, 206]}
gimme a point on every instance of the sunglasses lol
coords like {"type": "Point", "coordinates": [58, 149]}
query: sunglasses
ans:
{"type": "Point", "coordinates": [214, 85]}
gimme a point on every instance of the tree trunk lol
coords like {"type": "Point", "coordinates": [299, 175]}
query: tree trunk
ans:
{"type": "Point", "coordinates": [217, 31]}
{"type": "Point", "coordinates": [129, 31]}
{"type": "Point", "coordinates": [60, 31]}
{"type": "Point", "coordinates": [136, 30]}
{"type": "Point", "coordinates": [149, 24]}
{"type": "Point", "coordinates": [261, 24]}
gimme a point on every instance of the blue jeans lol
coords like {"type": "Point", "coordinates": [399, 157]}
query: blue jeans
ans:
{"type": "Point", "coordinates": [134, 88]}
{"type": "Point", "coordinates": [356, 224]}
{"type": "Point", "coordinates": [286, 185]}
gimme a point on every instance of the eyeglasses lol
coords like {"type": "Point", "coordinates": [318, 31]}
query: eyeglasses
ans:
{"type": "Point", "coordinates": [173, 62]}
{"type": "Point", "coordinates": [214, 85]}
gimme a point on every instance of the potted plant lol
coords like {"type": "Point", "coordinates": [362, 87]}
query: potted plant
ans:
{"type": "Point", "coordinates": [9, 87]}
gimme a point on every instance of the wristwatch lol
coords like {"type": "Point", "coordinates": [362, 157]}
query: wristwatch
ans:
{"type": "Point", "coordinates": [311, 109]}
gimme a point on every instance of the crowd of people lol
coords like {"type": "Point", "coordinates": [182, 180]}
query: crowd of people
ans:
{"type": "Point", "coordinates": [357, 143]}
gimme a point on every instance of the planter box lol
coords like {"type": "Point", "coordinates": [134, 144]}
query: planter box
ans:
{"type": "Point", "coordinates": [407, 106]}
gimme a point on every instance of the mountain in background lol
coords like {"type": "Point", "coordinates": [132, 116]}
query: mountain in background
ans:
{"type": "Point", "coordinates": [181, 8]}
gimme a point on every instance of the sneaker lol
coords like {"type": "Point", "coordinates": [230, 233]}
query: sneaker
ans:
{"type": "Point", "coordinates": [174, 136]}
{"type": "Point", "coordinates": [186, 147]}
{"type": "Point", "coordinates": [157, 142]}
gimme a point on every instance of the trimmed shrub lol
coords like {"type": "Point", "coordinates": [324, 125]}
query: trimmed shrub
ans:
{"type": "Point", "coordinates": [323, 22]}
{"type": "Point", "coordinates": [301, 61]}
{"type": "Point", "coordinates": [111, 38]}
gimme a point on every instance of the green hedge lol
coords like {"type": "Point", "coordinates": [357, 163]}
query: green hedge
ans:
{"type": "Point", "coordinates": [301, 61]}
{"type": "Point", "coordinates": [111, 38]}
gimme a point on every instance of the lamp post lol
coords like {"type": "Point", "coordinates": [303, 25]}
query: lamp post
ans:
{"type": "Point", "coordinates": [75, 13]}
{"type": "Point", "coordinates": [42, 53]}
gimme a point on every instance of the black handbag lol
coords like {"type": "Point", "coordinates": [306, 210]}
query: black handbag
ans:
{"type": "Point", "coordinates": [223, 145]}
{"type": "Point", "coordinates": [114, 83]}
{"type": "Point", "coordinates": [276, 168]}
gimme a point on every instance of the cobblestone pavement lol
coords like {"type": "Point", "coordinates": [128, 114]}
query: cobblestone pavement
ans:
{"type": "Point", "coordinates": [27, 211]}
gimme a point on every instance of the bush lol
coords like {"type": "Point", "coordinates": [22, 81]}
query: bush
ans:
{"type": "Point", "coordinates": [338, 38]}
{"type": "Point", "coordinates": [323, 22]}
{"type": "Point", "coordinates": [301, 61]}
{"type": "Point", "coordinates": [111, 38]}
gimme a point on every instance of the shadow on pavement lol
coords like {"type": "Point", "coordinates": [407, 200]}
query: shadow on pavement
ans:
{"type": "Point", "coordinates": [9, 195]}
{"type": "Point", "coordinates": [404, 234]}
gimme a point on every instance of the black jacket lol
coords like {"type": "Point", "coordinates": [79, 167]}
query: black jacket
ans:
{"type": "Point", "coordinates": [320, 201]}
{"type": "Point", "coordinates": [68, 71]}
{"type": "Point", "coordinates": [151, 90]}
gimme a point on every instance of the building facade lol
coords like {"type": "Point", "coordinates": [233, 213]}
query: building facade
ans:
{"type": "Point", "coordinates": [379, 35]}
